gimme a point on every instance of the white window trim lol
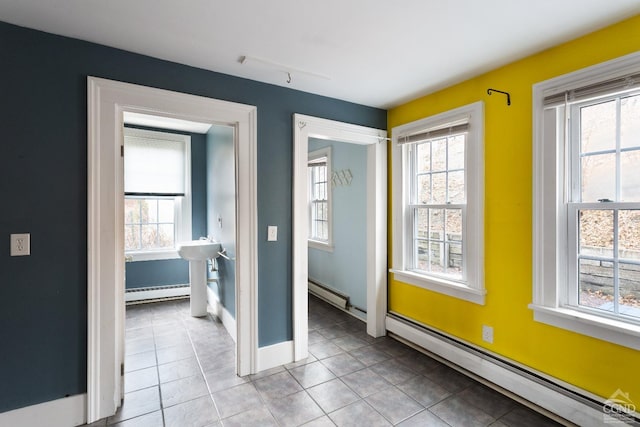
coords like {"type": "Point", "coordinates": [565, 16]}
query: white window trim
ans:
{"type": "Point", "coordinates": [550, 214]}
{"type": "Point", "coordinates": [183, 213]}
{"type": "Point", "coordinates": [473, 290]}
{"type": "Point", "coordinates": [321, 244]}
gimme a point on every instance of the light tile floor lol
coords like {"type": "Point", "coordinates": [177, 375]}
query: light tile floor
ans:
{"type": "Point", "coordinates": [179, 371]}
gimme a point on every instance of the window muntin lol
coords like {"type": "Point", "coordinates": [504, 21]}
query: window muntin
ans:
{"type": "Point", "coordinates": [438, 195]}
{"type": "Point", "coordinates": [604, 207]}
{"type": "Point", "coordinates": [319, 174]}
{"type": "Point", "coordinates": [438, 206]}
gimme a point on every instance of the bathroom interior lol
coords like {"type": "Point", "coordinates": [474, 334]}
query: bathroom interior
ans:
{"type": "Point", "coordinates": [197, 203]}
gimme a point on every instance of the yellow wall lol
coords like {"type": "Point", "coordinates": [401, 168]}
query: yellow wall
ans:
{"type": "Point", "coordinates": [593, 365]}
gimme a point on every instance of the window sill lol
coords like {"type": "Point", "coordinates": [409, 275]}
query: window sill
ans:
{"type": "Point", "coordinates": [610, 330]}
{"type": "Point", "coordinates": [441, 286]}
{"type": "Point", "coordinates": [151, 255]}
{"type": "Point", "coordinates": [323, 246]}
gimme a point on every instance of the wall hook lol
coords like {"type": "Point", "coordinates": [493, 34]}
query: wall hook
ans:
{"type": "Point", "coordinates": [288, 77]}
{"type": "Point", "coordinates": [489, 91]}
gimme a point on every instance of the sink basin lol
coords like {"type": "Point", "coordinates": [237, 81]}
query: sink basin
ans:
{"type": "Point", "coordinates": [199, 250]}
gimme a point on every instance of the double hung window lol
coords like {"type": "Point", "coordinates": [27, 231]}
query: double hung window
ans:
{"type": "Point", "coordinates": [587, 202]}
{"type": "Point", "coordinates": [157, 193]}
{"type": "Point", "coordinates": [319, 168]}
{"type": "Point", "coordinates": [438, 195]}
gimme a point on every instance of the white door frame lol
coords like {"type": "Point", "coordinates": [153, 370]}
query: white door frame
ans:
{"type": "Point", "coordinates": [305, 127]}
{"type": "Point", "coordinates": [107, 102]}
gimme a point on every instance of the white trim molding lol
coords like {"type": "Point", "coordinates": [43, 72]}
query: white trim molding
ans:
{"type": "Point", "coordinates": [107, 102]}
{"type": "Point", "coordinates": [305, 127]}
{"type": "Point", "coordinates": [275, 355]}
{"type": "Point", "coordinates": [65, 412]}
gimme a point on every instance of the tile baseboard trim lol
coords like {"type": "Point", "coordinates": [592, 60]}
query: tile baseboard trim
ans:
{"type": "Point", "coordinates": [494, 374]}
{"type": "Point", "coordinates": [65, 412]}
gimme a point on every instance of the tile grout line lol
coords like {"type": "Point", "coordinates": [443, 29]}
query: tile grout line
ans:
{"type": "Point", "coordinates": [204, 377]}
{"type": "Point", "coordinates": [155, 347]}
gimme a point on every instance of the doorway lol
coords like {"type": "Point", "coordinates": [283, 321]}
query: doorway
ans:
{"type": "Point", "coordinates": [108, 101]}
{"type": "Point", "coordinates": [306, 128]}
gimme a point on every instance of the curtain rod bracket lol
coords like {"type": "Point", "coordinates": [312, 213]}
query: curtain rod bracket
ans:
{"type": "Point", "coordinates": [489, 91]}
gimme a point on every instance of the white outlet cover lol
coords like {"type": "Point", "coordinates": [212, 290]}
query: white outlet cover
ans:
{"type": "Point", "coordinates": [272, 233]}
{"type": "Point", "coordinates": [487, 334]}
{"type": "Point", "coordinates": [20, 244]}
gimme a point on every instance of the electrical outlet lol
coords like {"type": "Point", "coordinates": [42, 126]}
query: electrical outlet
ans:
{"type": "Point", "coordinates": [272, 233]}
{"type": "Point", "coordinates": [20, 244]}
{"type": "Point", "coordinates": [487, 334]}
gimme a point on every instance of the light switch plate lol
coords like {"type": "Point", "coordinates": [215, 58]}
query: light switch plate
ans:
{"type": "Point", "coordinates": [20, 244]}
{"type": "Point", "coordinates": [272, 233]}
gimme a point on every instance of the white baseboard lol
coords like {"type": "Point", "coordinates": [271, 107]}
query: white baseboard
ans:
{"type": "Point", "coordinates": [160, 292]}
{"type": "Point", "coordinates": [217, 309]}
{"type": "Point", "coordinates": [65, 412]}
{"type": "Point", "coordinates": [541, 395]}
{"type": "Point", "coordinates": [274, 355]}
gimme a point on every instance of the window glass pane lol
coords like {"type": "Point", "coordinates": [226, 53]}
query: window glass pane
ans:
{"type": "Point", "coordinates": [598, 127]}
{"type": "Point", "coordinates": [454, 224]}
{"type": "Point", "coordinates": [629, 234]}
{"type": "Point", "coordinates": [598, 177]}
{"type": "Point", "coordinates": [131, 211]}
{"type": "Point", "coordinates": [630, 176]}
{"type": "Point", "coordinates": [149, 236]}
{"type": "Point", "coordinates": [436, 224]}
{"type": "Point", "coordinates": [422, 223]}
{"type": "Point", "coordinates": [629, 300]}
{"type": "Point", "coordinates": [424, 188]}
{"type": "Point", "coordinates": [596, 284]}
{"type": "Point", "coordinates": [596, 232]}
{"type": "Point", "coordinates": [454, 259]}
{"type": "Point", "coordinates": [436, 257]}
{"type": "Point", "coordinates": [456, 187]}
{"type": "Point", "coordinates": [439, 192]}
{"type": "Point", "coordinates": [148, 210]}
{"type": "Point", "coordinates": [630, 121]}
{"type": "Point", "coordinates": [166, 210]}
{"type": "Point", "coordinates": [421, 256]}
{"type": "Point", "coordinates": [423, 153]}
{"type": "Point", "coordinates": [439, 155]}
{"type": "Point", "coordinates": [165, 236]}
{"type": "Point", "coordinates": [131, 237]}
{"type": "Point", "coordinates": [456, 152]}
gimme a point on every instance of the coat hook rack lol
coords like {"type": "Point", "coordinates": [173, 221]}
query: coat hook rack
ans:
{"type": "Point", "coordinates": [490, 91]}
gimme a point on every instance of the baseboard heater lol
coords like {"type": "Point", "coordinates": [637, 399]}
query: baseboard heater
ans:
{"type": "Point", "coordinates": [331, 296]}
{"type": "Point", "coordinates": [543, 393]}
{"type": "Point", "coordinates": [156, 293]}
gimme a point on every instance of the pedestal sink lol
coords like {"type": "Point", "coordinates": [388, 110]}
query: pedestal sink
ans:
{"type": "Point", "coordinates": [197, 252]}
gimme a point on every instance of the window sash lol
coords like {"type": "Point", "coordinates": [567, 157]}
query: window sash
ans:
{"type": "Point", "coordinates": [575, 255]}
{"type": "Point", "coordinates": [442, 245]}
{"type": "Point", "coordinates": [140, 224]}
{"type": "Point", "coordinates": [319, 197]}
{"type": "Point", "coordinates": [575, 204]}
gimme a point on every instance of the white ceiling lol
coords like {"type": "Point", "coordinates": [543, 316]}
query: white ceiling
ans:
{"type": "Point", "coordinates": [373, 52]}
